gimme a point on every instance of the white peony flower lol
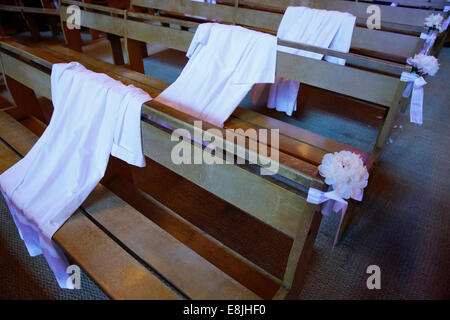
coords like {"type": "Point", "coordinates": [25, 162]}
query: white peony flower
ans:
{"type": "Point", "coordinates": [425, 64]}
{"type": "Point", "coordinates": [345, 172]}
{"type": "Point", "coordinates": [434, 21]}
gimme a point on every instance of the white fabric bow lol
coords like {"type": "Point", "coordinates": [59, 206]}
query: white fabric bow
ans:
{"type": "Point", "coordinates": [317, 197]}
{"type": "Point", "coordinates": [415, 85]}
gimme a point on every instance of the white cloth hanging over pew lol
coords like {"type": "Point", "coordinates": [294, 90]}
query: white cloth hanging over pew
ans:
{"type": "Point", "coordinates": [224, 63]}
{"type": "Point", "coordinates": [94, 116]}
{"type": "Point", "coordinates": [320, 28]}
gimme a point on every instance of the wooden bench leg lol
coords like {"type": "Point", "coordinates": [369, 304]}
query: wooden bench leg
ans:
{"type": "Point", "coordinates": [442, 39]}
{"type": "Point", "coordinates": [117, 167]}
{"type": "Point", "coordinates": [73, 38]}
{"type": "Point", "coordinates": [25, 100]}
{"type": "Point", "coordinates": [95, 34]}
{"type": "Point", "coordinates": [386, 127]}
{"type": "Point", "coordinates": [404, 103]}
{"type": "Point", "coordinates": [302, 98]}
{"type": "Point", "coordinates": [303, 261]}
{"type": "Point", "coordinates": [344, 224]}
{"type": "Point", "coordinates": [52, 21]}
{"type": "Point", "coordinates": [2, 31]}
{"type": "Point", "coordinates": [116, 47]}
{"type": "Point", "coordinates": [137, 50]}
{"type": "Point", "coordinates": [32, 26]}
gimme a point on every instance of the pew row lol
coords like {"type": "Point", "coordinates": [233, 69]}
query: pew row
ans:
{"type": "Point", "coordinates": [434, 7]}
{"type": "Point", "coordinates": [421, 4]}
{"type": "Point", "coordinates": [276, 203]}
{"type": "Point", "coordinates": [28, 14]}
{"type": "Point", "coordinates": [263, 14]}
{"type": "Point", "coordinates": [372, 81]}
{"type": "Point", "coordinates": [404, 20]}
{"type": "Point", "coordinates": [48, 9]}
{"type": "Point", "coordinates": [132, 24]}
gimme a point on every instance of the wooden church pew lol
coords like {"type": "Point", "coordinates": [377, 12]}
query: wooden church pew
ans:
{"type": "Point", "coordinates": [407, 20]}
{"type": "Point", "coordinates": [397, 19]}
{"type": "Point", "coordinates": [296, 141]}
{"type": "Point", "coordinates": [139, 32]}
{"type": "Point", "coordinates": [96, 22]}
{"type": "Point", "coordinates": [29, 16]}
{"type": "Point", "coordinates": [381, 86]}
{"type": "Point", "coordinates": [73, 39]}
{"type": "Point", "coordinates": [110, 23]}
{"type": "Point", "coordinates": [277, 203]}
{"type": "Point", "coordinates": [434, 7]}
{"type": "Point", "coordinates": [388, 45]}
{"type": "Point", "coordinates": [377, 43]}
{"type": "Point", "coordinates": [374, 43]}
{"type": "Point", "coordinates": [402, 20]}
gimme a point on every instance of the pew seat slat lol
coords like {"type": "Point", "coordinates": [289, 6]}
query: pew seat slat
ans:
{"type": "Point", "coordinates": [184, 268]}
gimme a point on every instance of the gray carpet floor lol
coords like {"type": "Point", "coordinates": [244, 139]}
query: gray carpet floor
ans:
{"type": "Point", "coordinates": [402, 226]}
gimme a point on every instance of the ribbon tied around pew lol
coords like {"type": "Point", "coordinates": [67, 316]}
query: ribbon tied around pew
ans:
{"type": "Point", "coordinates": [415, 89]}
{"type": "Point", "coordinates": [422, 65]}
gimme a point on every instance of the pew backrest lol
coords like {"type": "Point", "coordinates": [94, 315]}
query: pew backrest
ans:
{"type": "Point", "coordinates": [366, 85]}
{"type": "Point", "coordinates": [255, 14]}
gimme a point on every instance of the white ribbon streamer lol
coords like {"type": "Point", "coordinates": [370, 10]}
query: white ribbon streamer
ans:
{"type": "Point", "coordinates": [429, 41]}
{"type": "Point", "coordinates": [415, 86]}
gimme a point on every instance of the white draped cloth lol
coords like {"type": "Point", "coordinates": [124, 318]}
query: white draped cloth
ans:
{"type": "Point", "coordinates": [224, 63]}
{"type": "Point", "coordinates": [94, 117]}
{"type": "Point", "coordinates": [320, 28]}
